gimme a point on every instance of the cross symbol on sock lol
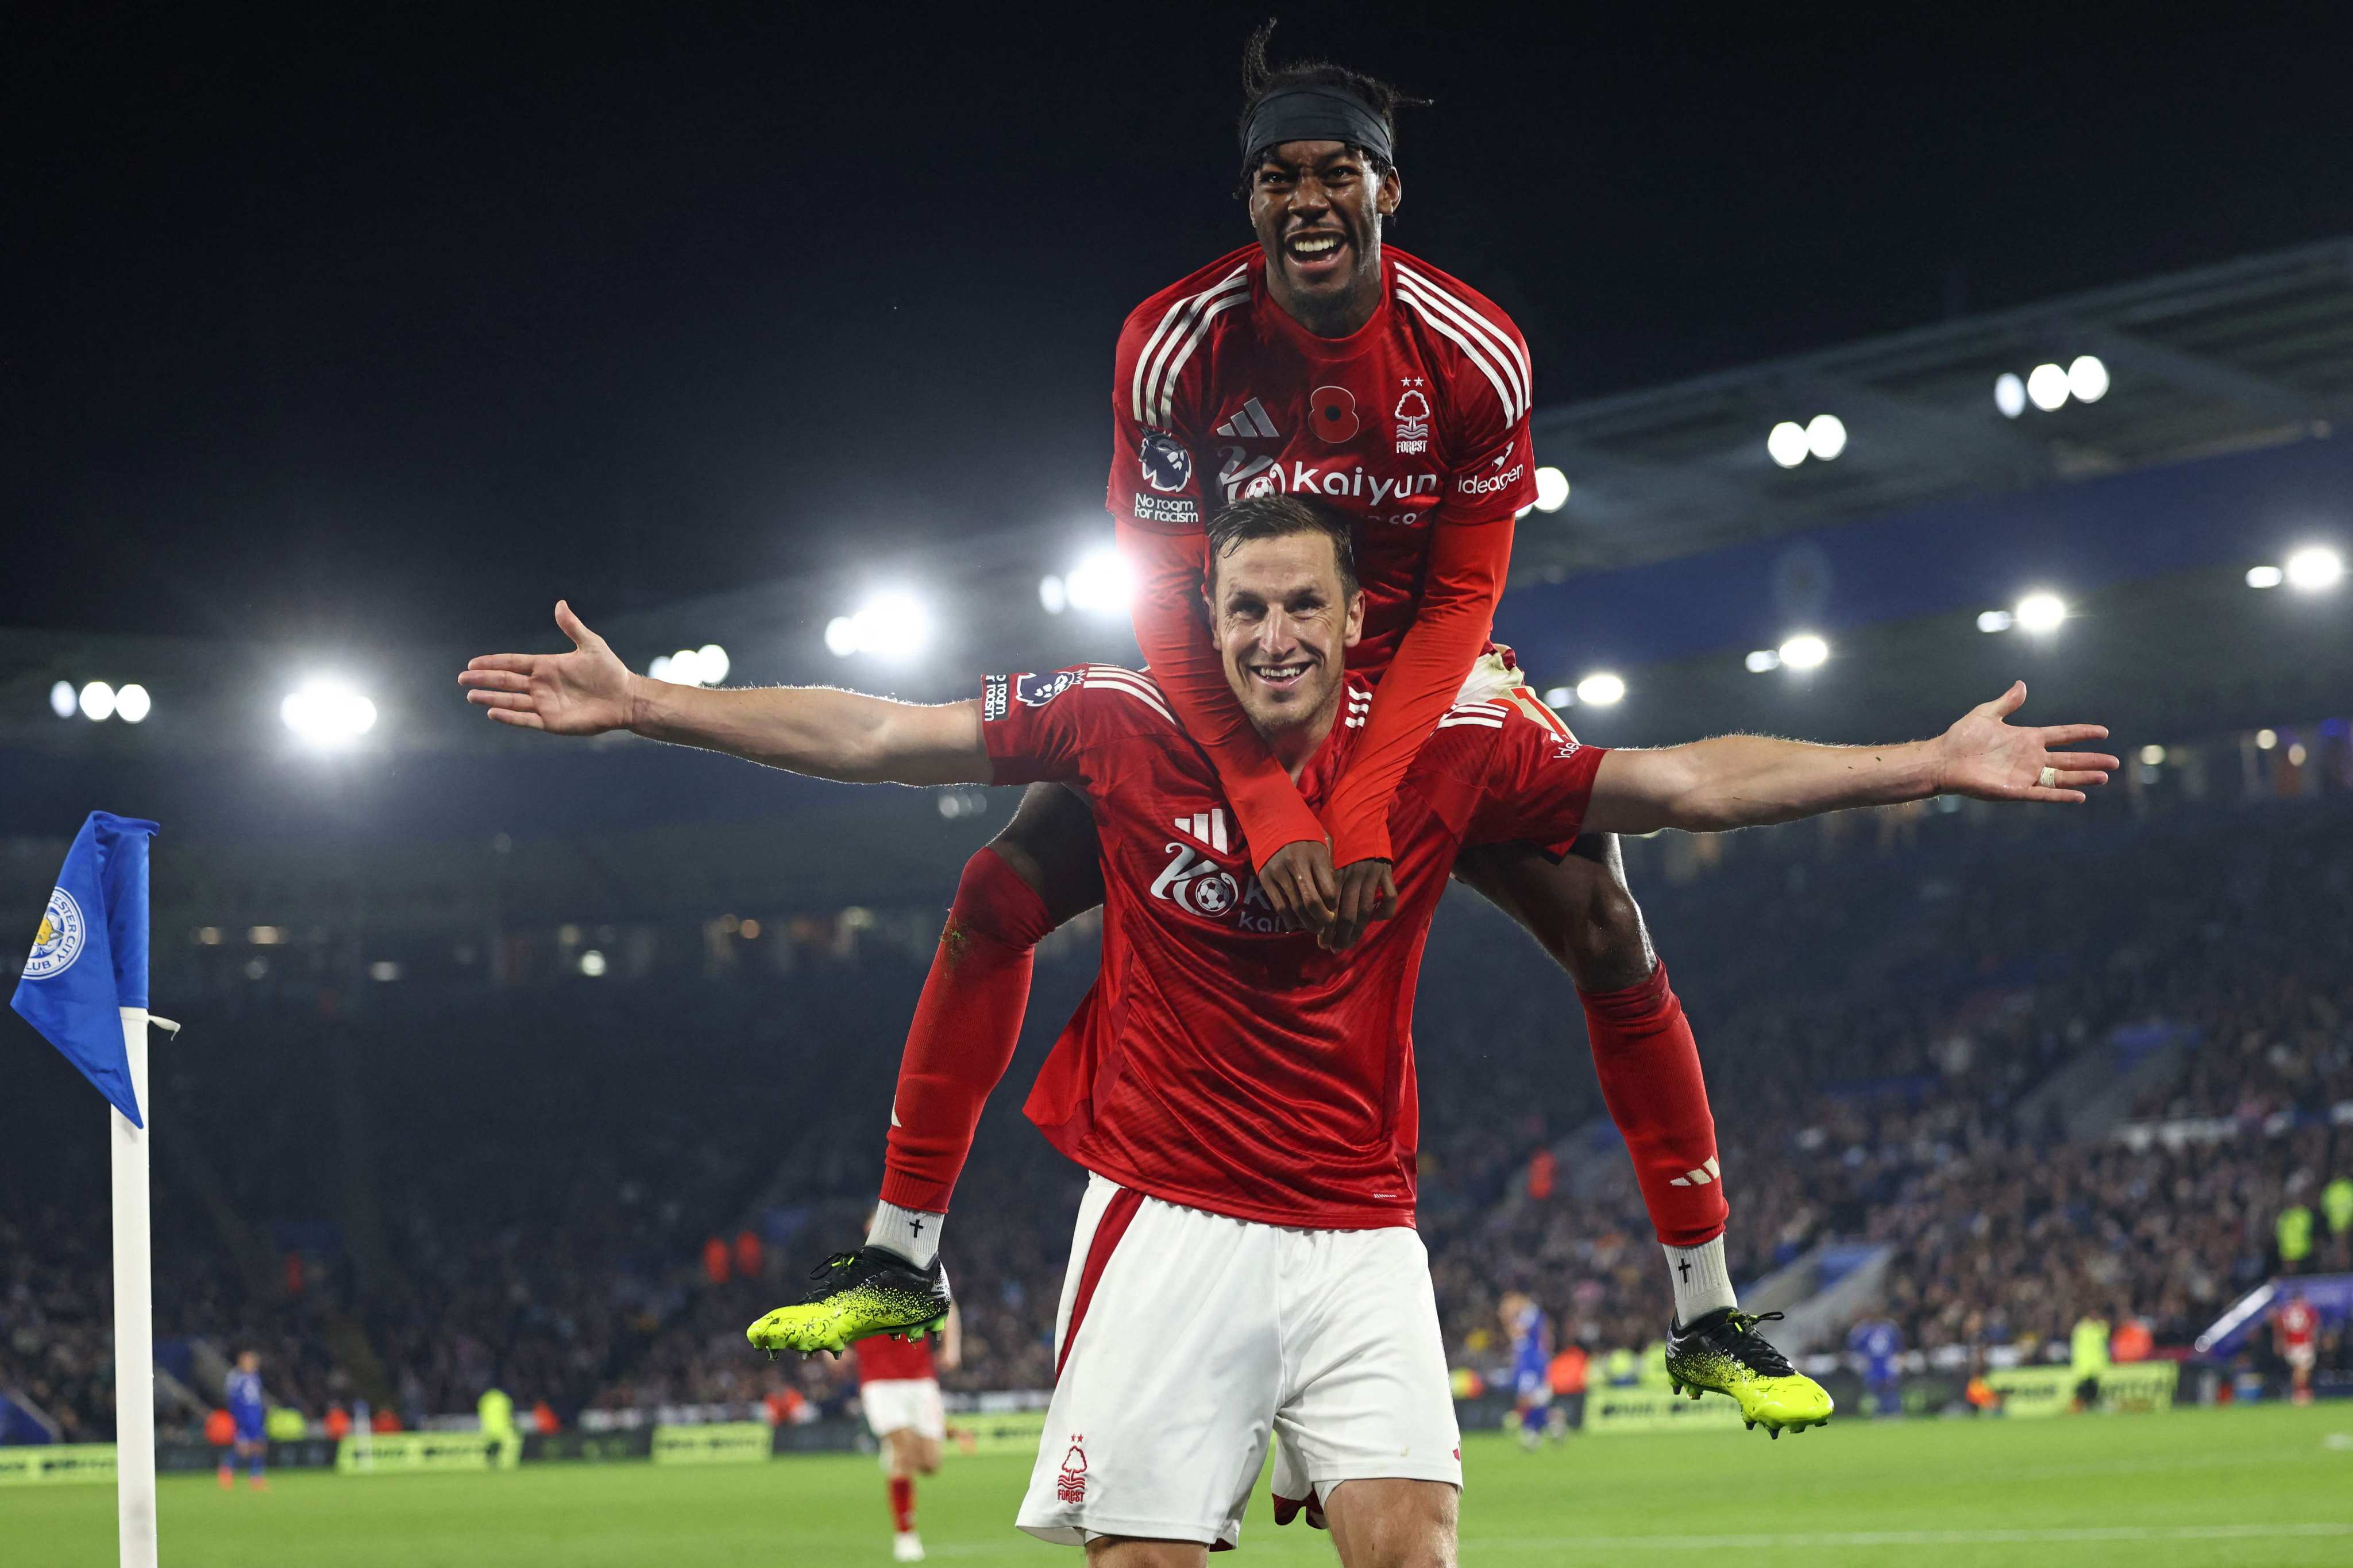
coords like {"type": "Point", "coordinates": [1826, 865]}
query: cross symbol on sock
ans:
{"type": "Point", "coordinates": [916, 1229]}
{"type": "Point", "coordinates": [1683, 1270]}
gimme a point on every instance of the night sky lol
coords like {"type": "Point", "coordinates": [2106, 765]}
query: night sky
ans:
{"type": "Point", "coordinates": [391, 329]}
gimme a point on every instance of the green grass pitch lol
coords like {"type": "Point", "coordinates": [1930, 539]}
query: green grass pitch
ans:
{"type": "Point", "coordinates": [2267, 1486]}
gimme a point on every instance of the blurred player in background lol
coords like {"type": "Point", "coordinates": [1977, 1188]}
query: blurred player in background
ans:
{"type": "Point", "coordinates": [1243, 1097]}
{"type": "Point", "coordinates": [2087, 1359]}
{"type": "Point", "coordinates": [1321, 360]}
{"type": "Point", "coordinates": [1529, 1329]}
{"type": "Point", "coordinates": [1877, 1346]}
{"type": "Point", "coordinates": [250, 1442]}
{"type": "Point", "coordinates": [2295, 1333]}
{"type": "Point", "coordinates": [1570, 1372]}
{"type": "Point", "coordinates": [899, 1389]}
{"type": "Point", "coordinates": [495, 1410]}
{"type": "Point", "coordinates": [220, 1431]}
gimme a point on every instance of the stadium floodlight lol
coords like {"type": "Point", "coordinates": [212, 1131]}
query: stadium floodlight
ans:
{"type": "Point", "coordinates": [61, 700]}
{"type": "Point", "coordinates": [98, 701]}
{"type": "Point", "coordinates": [1601, 689]}
{"type": "Point", "coordinates": [2296, 753]}
{"type": "Point", "coordinates": [2010, 394]}
{"type": "Point", "coordinates": [2314, 568]}
{"type": "Point", "coordinates": [1050, 594]}
{"type": "Point", "coordinates": [893, 627]}
{"type": "Point", "coordinates": [2266, 739]}
{"type": "Point", "coordinates": [704, 666]}
{"type": "Point", "coordinates": [1804, 651]}
{"type": "Point", "coordinates": [132, 704]}
{"type": "Point", "coordinates": [592, 964]}
{"type": "Point", "coordinates": [1764, 660]}
{"type": "Point", "coordinates": [2265, 576]}
{"type": "Point", "coordinates": [1099, 584]}
{"type": "Point", "coordinates": [1826, 435]}
{"type": "Point", "coordinates": [2046, 387]}
{"type": "Point", "coordinates": [2151, 755]}
{"type": "Point", "coordinates": [326, 713]}
{"type": "Point", "coordinates": [1560, 697]}
{"type": "Point", "coordinates": [1787, 444]}
{"type": "Point", "coordinates": [2087, 378]}
{"type": "Point", "coordinates": [1552, 490]}
{"type": "Point", "coordinates": [1994, 620]}
{"type": "Point", "coordinates": [2041, 612]}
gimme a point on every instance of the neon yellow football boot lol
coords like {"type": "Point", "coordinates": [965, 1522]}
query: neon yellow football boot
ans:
{"type": "Point", "coordinates": [858, 1294]}
{"type": "Point", "coordinates": [1724, 1352]}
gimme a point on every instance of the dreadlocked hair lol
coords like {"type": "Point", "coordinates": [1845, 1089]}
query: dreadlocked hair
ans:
{"type": "Point", "coordinates": [1260, 78]}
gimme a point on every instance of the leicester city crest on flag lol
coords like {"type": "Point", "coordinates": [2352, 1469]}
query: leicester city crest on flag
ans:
{"type": "Point", "coordinates": [58, 940]}
{"type": "Point", "coordinates": [89, 961]}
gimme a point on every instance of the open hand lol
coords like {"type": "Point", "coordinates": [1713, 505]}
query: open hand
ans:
{"type": "Point", "coordinates": [1987, 758]}
{"type": "Point", "coordinates": [583, 693]}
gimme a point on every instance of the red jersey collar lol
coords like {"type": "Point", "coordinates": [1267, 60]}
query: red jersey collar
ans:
{"type": "Point", "coordinates": [1280, 321]}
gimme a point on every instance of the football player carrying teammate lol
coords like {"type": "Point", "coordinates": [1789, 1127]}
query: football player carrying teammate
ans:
{"type": "Point", "coordinates": [1242, 1096]}
{"type": "Point", "coordinates": [1321, 360]}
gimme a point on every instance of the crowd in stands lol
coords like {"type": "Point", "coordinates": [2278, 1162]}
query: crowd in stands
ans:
{"type": "Point", "coordinates": [415, 1192]}
{"type": "Point", "coordinates": [1892, 1102]}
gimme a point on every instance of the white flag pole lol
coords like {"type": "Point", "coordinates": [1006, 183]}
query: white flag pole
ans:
{"type": "Point", "coordinates": [134, 1313]}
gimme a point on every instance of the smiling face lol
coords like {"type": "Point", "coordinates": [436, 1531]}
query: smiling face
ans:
{"type": "Point", "coordinates": [1283, 623]}
{"type": "Point", "coordinates": [1317, 207]}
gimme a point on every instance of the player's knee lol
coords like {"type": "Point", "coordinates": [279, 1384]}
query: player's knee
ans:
{"type": "Point", "coordinates": [1605, 943]}
{"type": "Point", "coordinates": [1579, 909]}
{"type": "Point", "coordinates": [1051, 845]}
{"type": "Point", "coordinates": [1423, 1541]}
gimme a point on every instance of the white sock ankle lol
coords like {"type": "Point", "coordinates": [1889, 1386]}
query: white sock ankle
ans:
{"type": "Point", "coordinates": [912, 1234]}
{"type": "Point", "coordinates": [1702, 1283]}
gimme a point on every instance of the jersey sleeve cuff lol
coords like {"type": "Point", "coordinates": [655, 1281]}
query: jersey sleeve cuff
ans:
{"type": "Point", "coordinates": [1351, 844]}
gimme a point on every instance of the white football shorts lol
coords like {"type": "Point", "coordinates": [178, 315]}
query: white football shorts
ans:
{"type": "Point", "coordinates": [1185, 1339]}
{"type": "Point", "coordinates": [904, 1404]}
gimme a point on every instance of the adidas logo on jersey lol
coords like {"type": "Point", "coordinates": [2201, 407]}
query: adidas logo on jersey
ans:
{"type": "Point", "coordinates": [1209, 826]}
{"type": "Point", "coordinates": [1250, 425]}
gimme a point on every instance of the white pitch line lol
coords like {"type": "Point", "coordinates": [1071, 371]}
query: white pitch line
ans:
{"type": "Point", "coordinates": [1835, 1538]}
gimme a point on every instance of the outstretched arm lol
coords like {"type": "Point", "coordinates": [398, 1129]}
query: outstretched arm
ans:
{"type": "Point", "coordinates": [816, 730]}
{"type": "Point", "coordinates": [1747, 780]}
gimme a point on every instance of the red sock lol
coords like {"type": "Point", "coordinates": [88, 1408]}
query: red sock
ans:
{"type": "Point", "coordinates": [902, 1502]}
{"type": "Point", "coordinates": [965, 1027]}
{"type": "Point", "coordinates": [1649, 1067]}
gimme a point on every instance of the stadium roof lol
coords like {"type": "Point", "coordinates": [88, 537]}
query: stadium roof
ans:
{"type": "Point", "coordinates": [2253, 353]}
{"type": "Point", "coordinates": [2246, 358]}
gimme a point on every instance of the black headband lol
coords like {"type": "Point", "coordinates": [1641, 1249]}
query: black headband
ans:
{"type": "Point", "coordinates": [1314, 112]}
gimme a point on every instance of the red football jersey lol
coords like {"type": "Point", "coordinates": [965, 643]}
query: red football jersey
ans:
{"type": "Point", "coordinates": [881, 1359]}
{"type": "Point", "coordinates": [1417, 419]}
{"type": "Point", "coordinates": [1219, 1062]}
{"type": "Point", "coordinates": [2298, 1323]}
{"type": "Point", "coordinates": [1415, 425]}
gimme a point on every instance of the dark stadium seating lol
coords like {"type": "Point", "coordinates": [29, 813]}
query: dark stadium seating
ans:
{"type": "Point", "coordinates": [408, 1190]}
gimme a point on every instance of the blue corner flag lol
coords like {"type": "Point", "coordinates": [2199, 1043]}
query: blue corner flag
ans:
{"type": "Point", "coordinates": [90, 956]}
